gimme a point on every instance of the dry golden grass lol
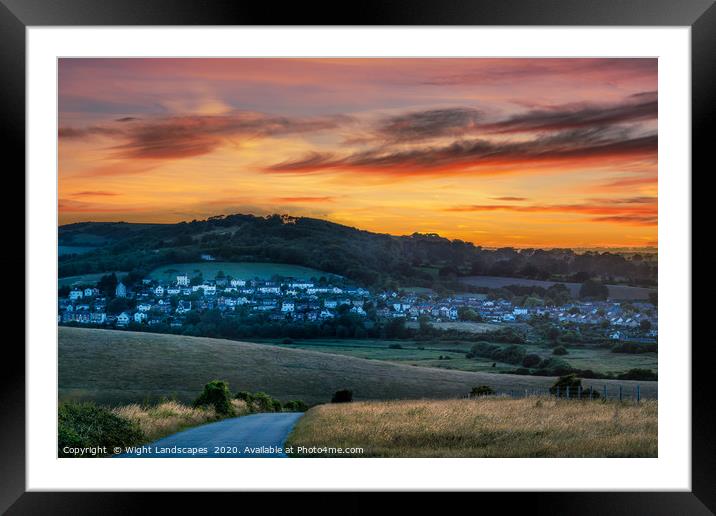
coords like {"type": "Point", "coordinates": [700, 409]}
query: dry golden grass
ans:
{"type": "Point", "coordinates": [170, 417]}
{"type": "Point", "coordinates": [482, 427]}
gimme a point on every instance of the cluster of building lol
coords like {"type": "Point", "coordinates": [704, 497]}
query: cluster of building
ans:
{"type": "Point", "coordinates": [155, 302]}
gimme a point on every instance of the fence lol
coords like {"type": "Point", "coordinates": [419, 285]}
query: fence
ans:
{"type": "Point", "coordinates": [603, 392]}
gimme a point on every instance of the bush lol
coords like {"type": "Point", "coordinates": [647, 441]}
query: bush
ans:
{"type": "Point", "coordinates": [287, 340]}
{"type": "Point", "coordinates": [262, 402]}
{"type": "Point", "coordinates": [295, 406]}
{"type": "Point", "coordinates": [395, 346]}
{"type": "Point", "coordinates": [342, 396]}
{"type": "Point", "coordinates": [245, 396]}
{"type": "Point", "coordinates": [531, 360]}
{"type": "Point", "coordinates": [638, 374]}
{"type": "Point", "coordinates": [86, 425]}
{"type": "Point", "coordinates": [554, 367]}
{"type": "Point", "coordinates": [573, 383]}
{"type": "Point", "coordinates": [482, 390]}
{"type": "Point", "coordinates": [560, 350]}
{"type": "Point", "coordinates": [216, 394]}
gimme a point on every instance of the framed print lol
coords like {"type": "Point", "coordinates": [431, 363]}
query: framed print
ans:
{"type": "Point", "coordinates": [418, 250]}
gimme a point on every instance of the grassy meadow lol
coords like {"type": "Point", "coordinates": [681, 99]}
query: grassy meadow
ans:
{"type": "Point", "coordinates": [120, 367]}
{"type": "Point", "coordinates": [245, 270]}
{"type": "Point", "coordinates": [482, 427]}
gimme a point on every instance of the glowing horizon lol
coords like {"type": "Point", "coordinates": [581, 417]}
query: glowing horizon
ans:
{"type": "Point", "coordinates": [499, 152]}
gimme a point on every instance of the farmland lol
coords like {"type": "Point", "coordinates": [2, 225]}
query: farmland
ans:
{"type": "Point", "coordinates": [245, 270]}
{"type": "Point", "coordinates": [616, 292]}
{"type": "Point", "coordinates": [451, 354]}
{"type": "Point", "coordinates": [120, 367]}
{"type": "Point", "coordinates": [482, 427]}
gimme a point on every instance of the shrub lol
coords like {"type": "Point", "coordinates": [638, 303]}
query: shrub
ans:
{"type": "Point", "coordinates": [395, 346]}
{"type": "Point", "coordinates": [554, 367]}
{"type": "Point", "coordinates": [216, 394]}
{"type": "Point", "coordinates": [638, 374]}
{"type": "Point", "coordinates": [295, 406]}
{"type": "Point", "coordinates": [245, 396]}
{"type": "Point", "coordinates": [342, 396]}
{"type": "Point", "coordinates": [482, 390]}
{"type": "Point", "coordinates": [531, 360]}
{"type": "Point", "coordinates": [277, 407]}
{"type": "Point", "coordinates": [560, 350]}
{"type": "Point", "coordinates": [87, 425]}
{"type": "Point", "coordinates": [287, 340]}
{"type": "Point", "coordinates": [573, 383]}
{"type": "Point", "coordinates": [262, 402]}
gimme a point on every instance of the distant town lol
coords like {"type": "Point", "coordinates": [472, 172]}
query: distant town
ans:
{"type": "Point", "coordinates": [151, 303]}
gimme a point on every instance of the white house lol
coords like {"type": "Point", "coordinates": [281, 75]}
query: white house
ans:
{"type": "Point", "coordinates": [123, 319]}
{"type": "Point", "coordinates": [237, 283]}
{"type": "Point", "coordinates": [89, 292]}
{"type": "Point", "coordinates": [183, 280]}
{"type": "Point", "coordinates": [144, 307]}
{"type": "Point", "coordinates": [287, 307]}
{"type": "Point", "coordinates": [520, 311]}
{"type": "Point", "coordinates": [159, 291]}
{"type": "Point", "coordinates": [173, 291]}
{"type": "Point", "coordinates": [121, 291]}
{"type": "Point", "coordinates": [330, 303]}
{"type": "Point", "coordinates": [75, 294]}
{"type": "Point", "coordinates": [140, 316]}
{"type": "Point", "coordinates": [183, 307]}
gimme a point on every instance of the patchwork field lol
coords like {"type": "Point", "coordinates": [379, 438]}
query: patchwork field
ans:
{"type": "Point", "coordinates": [451, 355]}
{"type": "Point", "coordinates": [481, 427]}
{"type": "Point", "coordinates": [119, 367]}
{"type": "Point", "coordinates": [615, 291]}
{"type": "Point", "coordinates": [245, 270]}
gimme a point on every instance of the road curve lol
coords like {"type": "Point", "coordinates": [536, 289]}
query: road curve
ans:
{"type": "Point", "coordinates": [256, 435]}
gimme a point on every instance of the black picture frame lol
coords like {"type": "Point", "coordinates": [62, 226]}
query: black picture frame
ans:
{"type": "Point", "coordinates": [17, 15]}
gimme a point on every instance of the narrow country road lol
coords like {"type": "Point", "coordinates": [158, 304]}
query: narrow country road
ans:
{"type": "Point", "coordinates": [257, 435]}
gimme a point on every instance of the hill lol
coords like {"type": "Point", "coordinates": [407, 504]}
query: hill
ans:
{"type": "Point", "coordinates": [263, 271]}
{"type": "Point", "coordinates": [372, 259]}
{"type": "Point", "coordinates": [118, 367]}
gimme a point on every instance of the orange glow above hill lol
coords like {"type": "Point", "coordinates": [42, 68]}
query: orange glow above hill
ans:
{"type": "Point", "coordinates": [500, 152]}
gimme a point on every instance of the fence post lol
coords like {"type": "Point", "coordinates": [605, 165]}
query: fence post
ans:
{"type": "Point", "coordinates": [558, 392]}
{"type": "Point", "coordinates": [638, 394]}
{"type": "Point", "coordinates": [620, 393]}
{"type": "Point", "coordinates": [579, 392]}
{"type": "Point", "coordinates": [605, 391]}
{"type": "Point", "coordinates": [567, 391]}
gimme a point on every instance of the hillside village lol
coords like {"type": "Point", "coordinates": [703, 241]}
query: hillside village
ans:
{"type": "Point", "coordinates": [151, 303]}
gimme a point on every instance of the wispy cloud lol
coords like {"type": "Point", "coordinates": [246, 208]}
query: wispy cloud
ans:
{"type": "Point", "coordinates": [301, 200]}
{"type": "Point", "coordinates": [187, 136]}
{"type": "Point", "coordinates": [637, 210]}
{"type": "Point", "coordinates": [572, 146]}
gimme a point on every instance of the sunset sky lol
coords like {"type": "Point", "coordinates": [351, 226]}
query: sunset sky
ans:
{"type": "Point", "coordinates": [499, 152]}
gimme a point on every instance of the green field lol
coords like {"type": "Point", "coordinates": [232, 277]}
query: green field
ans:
{"type": "Point", "coordinates": [246, 270]}
{"type": "Point", "coordinates": [600, 360]}
{"type": "Point", "coordinates": [119, 367]}
{"type": "Point", "coordinates": [85, 279]}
